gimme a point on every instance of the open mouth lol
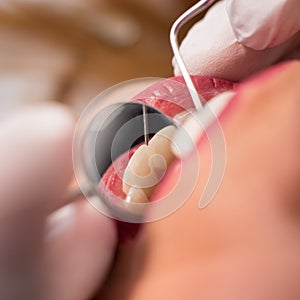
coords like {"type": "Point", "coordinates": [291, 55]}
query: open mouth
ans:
{"type": "Point", "coordinates": [171, 97]}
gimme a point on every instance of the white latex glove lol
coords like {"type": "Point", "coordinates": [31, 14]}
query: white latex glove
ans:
{"type": "Point", "coordinates": [45, 253]}
{"type": "Point", "coordinates": [237, 38]}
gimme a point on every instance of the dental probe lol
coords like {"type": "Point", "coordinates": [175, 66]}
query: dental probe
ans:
{"type": "Point", "coordinates": [178, 24]}
{"type": "Point", "coordinates": [146, 124]}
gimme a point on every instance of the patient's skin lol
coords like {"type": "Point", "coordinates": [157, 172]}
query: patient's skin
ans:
{"type": "Point", "coordinates": [245, 244]}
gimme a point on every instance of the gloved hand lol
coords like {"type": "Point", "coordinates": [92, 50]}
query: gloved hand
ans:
{"type": "Point", "coordinates": [45, 253]}
{"type": "Point", "coordinates": [237, 38]}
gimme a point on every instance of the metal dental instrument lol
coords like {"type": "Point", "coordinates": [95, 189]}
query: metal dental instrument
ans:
{"type": "Point", "coordinates": [178, 24]}
{"type": "Point", "coordinates": [146, 124]}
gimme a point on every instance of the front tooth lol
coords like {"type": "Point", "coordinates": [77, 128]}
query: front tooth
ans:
{"type": "Point", "coordinates": [136, 163]}
{"type": "Point", "coordinates": [137, 168]}
{"type": "Point", "coordinates": [161, 144]}
{"type": "Point", "coordinates": [148, 164]}
{"type": "Point", "coordinates": [136, 196]}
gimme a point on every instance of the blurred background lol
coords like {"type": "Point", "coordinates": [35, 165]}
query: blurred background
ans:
{"type": "Point", "coordinates": [71, 50]}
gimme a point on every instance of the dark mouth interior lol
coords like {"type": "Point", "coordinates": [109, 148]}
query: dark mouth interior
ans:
{"type": "Point", "coordinates": [122, 130]}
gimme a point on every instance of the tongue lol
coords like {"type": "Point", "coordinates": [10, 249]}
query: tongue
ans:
{"type": "Point", "coordinates": [170, 96]}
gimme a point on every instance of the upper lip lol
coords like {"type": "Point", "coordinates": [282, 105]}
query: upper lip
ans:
{"type": "Point", "coordinates": [175, 94]}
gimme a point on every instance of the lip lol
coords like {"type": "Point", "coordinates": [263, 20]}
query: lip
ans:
{"type": "Point", "coordinates": [170, 96]}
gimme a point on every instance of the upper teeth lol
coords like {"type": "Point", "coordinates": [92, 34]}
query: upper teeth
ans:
{"type": "Point", "coordinates": [147, 166]}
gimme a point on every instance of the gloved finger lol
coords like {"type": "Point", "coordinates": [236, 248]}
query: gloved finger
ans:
{"type": "Point", "coordinates": [79, 248]}
{"type": "Point", "coordinates": [211, 48]}
{"type": "Point", "coordinates": [263, 24]}
{"type": "Point", "coordinates": [35, 160]}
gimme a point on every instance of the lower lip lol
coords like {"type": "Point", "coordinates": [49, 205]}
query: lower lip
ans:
{"type": "Point", "coordinates": [171, 97]}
